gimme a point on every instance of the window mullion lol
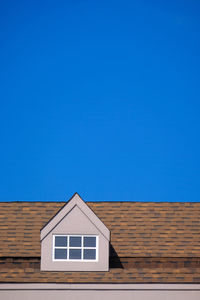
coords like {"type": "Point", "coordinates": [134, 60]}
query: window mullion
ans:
{"type": "Point", "coordinates": [67, 247]}
{"type": "Point", "coordinates": [82, 247]}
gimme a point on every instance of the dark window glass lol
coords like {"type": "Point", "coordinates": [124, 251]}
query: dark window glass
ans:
{"type": "Point", "coordinates": [89, 241]}
{"type": "Point", "coordinates": [74, 253]}
{"type": "Point", "coordinates": [75, 241]}
{"type": "Point", "coordinates": [60, 254]}
{"type": "Point", "coordinates": [89, 254]}
{"type": "Point", "coordinates": [60, 241]}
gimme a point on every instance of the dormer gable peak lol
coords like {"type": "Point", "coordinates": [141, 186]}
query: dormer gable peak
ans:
{"type": "Point", "coordinates": [75, 200]}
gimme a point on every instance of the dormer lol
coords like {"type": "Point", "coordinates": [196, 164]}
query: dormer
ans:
{"type": "Point", "coordinates": [75, 239]}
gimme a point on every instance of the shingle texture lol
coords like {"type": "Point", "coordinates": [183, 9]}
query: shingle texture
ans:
{"type": "Point", "coordinates": [144, 275]}
{"type": "Point", "coordinates": [138, 230]}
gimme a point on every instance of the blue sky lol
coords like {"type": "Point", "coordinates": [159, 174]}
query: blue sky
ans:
{"type": "Point", "coordinates": [100, 98]}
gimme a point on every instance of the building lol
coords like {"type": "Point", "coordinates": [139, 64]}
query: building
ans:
{"type": "Point", "coordinates": [114, 250]}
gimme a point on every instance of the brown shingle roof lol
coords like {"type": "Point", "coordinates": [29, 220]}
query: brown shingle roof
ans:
{"type": "Point", "coordinates": [138, 270]}
{"type": "Point", "coordinates": [137, 229]}
{"type": "Point", "coordinates": [145, 275]}
{"type": "Point", "coordinates": [156, 242]}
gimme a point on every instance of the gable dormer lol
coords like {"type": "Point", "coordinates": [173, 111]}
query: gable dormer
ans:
{"type": "Point", "coordinates": [75, 239]}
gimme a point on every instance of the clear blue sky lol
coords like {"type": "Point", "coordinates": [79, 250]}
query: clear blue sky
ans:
{"type": "Point", "coordinates": [100, 98]}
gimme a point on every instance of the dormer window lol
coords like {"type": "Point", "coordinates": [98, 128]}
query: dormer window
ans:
{"type": "Point", "coordinates": [75, 248]}
{"type": "Point", "coordinates": [75, 239]}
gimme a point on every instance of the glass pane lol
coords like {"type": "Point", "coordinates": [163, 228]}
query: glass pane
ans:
{"type": "Point", "coordinates": [60, 254]}
{"type": "Point", "coordinates": [74, 253]}
{"type": "Point", "coordinates": [90, 241]}
{"type": "Point", "coordinates": [89, 254]}
{"type": "Point", "coordinates": [60, 241]}
{"type": "Point", "coordinates": [75, 241]}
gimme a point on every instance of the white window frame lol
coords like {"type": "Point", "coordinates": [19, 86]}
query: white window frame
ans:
{"type": "Point", "coordinates": [81, 247]}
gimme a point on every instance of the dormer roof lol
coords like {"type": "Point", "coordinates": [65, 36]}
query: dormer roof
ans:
{"type": "Point", "coordinates": [74, 202]}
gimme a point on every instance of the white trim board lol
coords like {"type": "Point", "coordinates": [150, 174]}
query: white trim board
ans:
{"type": "Point", "coordinates": [86, 286]}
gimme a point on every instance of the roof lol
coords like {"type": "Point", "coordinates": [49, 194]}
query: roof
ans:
{"type": "Point", "coordinates": [138, 230]}
{"type": "Point", "coordinates": [135, 275]}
